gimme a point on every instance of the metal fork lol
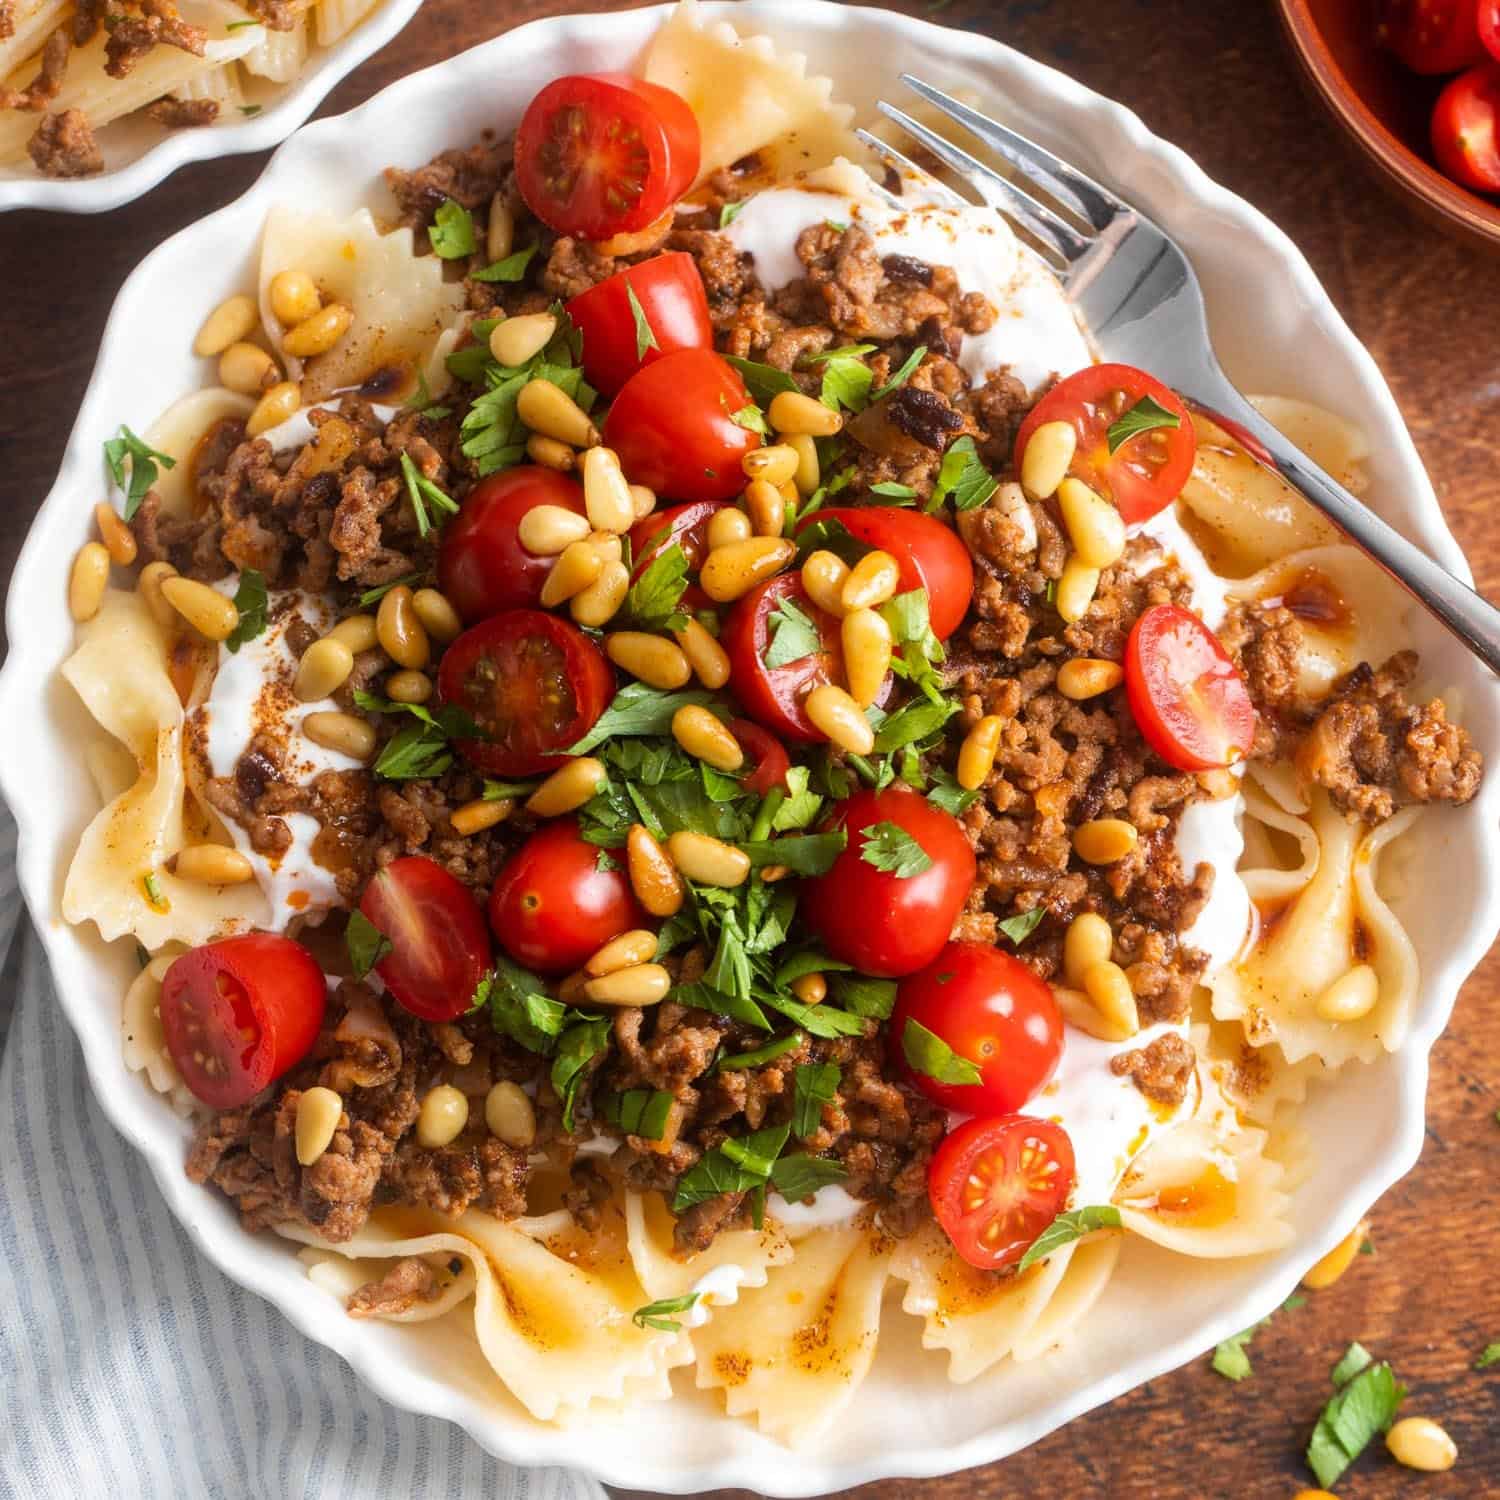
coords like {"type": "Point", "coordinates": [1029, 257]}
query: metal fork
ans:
{"type": "Point", "coordinates": [1141, 302]}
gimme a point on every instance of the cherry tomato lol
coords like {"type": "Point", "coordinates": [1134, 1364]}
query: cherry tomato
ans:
{"type": "Point", "coordinates": [1466, 128]}
{"type": "Point", "coordinates": [482, 566]}
{"type": "Point", "coordinates": [239, 1013]}
{"type": "Point", "coordinates": [930, 555]}
{"type": "Point", "coordinates": [672, 425]}
{"type": "Point", "coordinates": [669, 293]}
{"type": "Point", "coordinates": [599, 154]}
{"type": "Point", "coordinates": [1189, 700]}
{"type": "Point", "coordinates": [996, 1184]}
{"type": "Point", "coordinates": [883, 923]}
{"type": "Point", "coordinates": [687, 525]}
{"type": "Point", "coordinates": [1487, 22]}
{"type": "Point", "coordinates": [532, 682]}
{"type": "Point", "coordinates": [552, 907]}
{"type": "Point", "coordinates": [439, 948]}
{"type": "Point", "coordinates": [1429, 36]}
{"type": "Point", "coordinates": [993, 1011]}
{"type": "Point", "coordinates": [1146, 472]}
{"type": "Point", "coordinates": [768, 754]}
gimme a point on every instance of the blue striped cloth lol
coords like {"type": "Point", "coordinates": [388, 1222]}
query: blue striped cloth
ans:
{"type": "Point", "coordinates": [131, 1368]}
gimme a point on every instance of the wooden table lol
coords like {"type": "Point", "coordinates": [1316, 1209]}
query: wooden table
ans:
{"type": "Point", "coordinates": [1212, 76]}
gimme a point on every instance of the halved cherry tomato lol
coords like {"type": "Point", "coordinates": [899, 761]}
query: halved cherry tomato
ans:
{"type": "Point", "coordinates": [439, 948]}
{"type": "Point", "coordinates": [883, 923]}
{"type": "Point", "coordinates": [552, 906]}
{"type": "Point", "coordinates": [930, 555]}
{"type": "Point", "coordinates": [1188, 698]}
{"type": "Point", "coordinates": [1466, 128]}
{"type": "Point", "coordinates": [768, 754]}
{"type": "Point", "coordinates": [672, 425]}
{"type": "Point", "coordinates": [482, 566]}
{"type": "Point", "coordinates": [687, 525]}
{"type": "Point", "coordinates": [996, 1184]}
{"type": "Point", "coordinates": [532, 682]}
{"type": "Point", "coordinates": [239, 1013]}
{"type": "Point", "coordinates": [991, 1010]}
{"type": "Point", "coordinates": [1146, 472]}
{"type": "Point", "coordinates": [1429, 36]}
{"type": "Point", "coordinates": [599, 154]}
{"type": "Point", "coordinates": [669, 293]}
{"type": "Point", "coordinates": [1487, 21]}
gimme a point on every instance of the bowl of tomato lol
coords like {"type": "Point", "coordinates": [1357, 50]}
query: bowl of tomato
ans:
{"type": "Point", "coordinates": [1415, 87]}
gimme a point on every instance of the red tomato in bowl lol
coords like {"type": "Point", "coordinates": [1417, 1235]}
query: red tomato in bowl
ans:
{"type": "Point", "coordinates": [532, 682]}
{"type": "Point", "coordinates": [687, 525]}
{"type": "Point", "coordinates": [482, 566]}
{"type": "Point", "coordinates": [1146, 472]}
{"type": "Point", "coordinates": [993, 1012]}
{"type": "Point", "coordinates": [239, 1013]}
{"type": "Point", "coordinates": [600, 154]}
{"type": "Point", "coordinates": [1466, 129]}
{"type": "Point", "coordinates": [673, 426]}
{"type": "Point", "coordinates": [1430, 36]}
{"type": "Point", "coordinates": [1187, 697]}
{"type": "Point", "coordinates": [668, 291]}
{"type": "Point", "coordinates": [996, 1184]}
{"type": "Point", "coordinates": [884, 923]}
{"type": "Point", "coordinates": [931, 556]}
{"type": "Point", "coordinates": [439, 947]}
{"type": "Point", "coordinates": [767, 754]}
{"type": "Point", "coordinates": [552, 907]}
{"type": "Point", "coordinates": [1487, 22]}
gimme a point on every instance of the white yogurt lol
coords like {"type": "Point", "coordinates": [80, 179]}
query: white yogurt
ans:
{"type": "Point", "coordinates": [298, 429]}
{"type": "Point", "coordinates": [1210, 592]}
{"type": "Point", "coordinates": [1209, 833]}
{"type": "Point", "coordinates": [831, 1208]}
{"type": "Point", "coordinates": [717, 1288]}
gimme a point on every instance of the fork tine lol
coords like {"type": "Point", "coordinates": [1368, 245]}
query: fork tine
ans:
{"type": "Point", "coordinates": [1090, 200]}
{"type": "Point", "coordinates": [1051, 229]}
{"type": "Point", "coordinates": [939, 189]}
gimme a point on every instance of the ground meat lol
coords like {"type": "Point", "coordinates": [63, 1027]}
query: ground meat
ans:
{"type": "Point", "coordinates": [1162, 1070]}
{"type": "Point", "coordinates": [183, 114]}
{"type": "Point", "coordinates": [471, 177]}
{"type": "Point", "coordinates": [589, 1189]}
{"type": "Point", "coordinates": [64, 146]}
{"type": "Point", "coordinates": [7, 19]}
{"type": "Point", "coordinates": [407, 1283]}
{"type": "Point", "coordinates": [157, 24]}
{"type": "Point", "coordinates": [47, 84]}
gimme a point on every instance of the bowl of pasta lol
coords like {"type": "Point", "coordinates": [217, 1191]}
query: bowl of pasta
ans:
{"type": "Point", "coordinates": [98, 103]}
{"type": "Point", "coordinates": [627, 830]}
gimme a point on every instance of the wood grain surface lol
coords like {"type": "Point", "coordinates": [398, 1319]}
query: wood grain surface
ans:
{"type": "Point", "coordinates": [1213, 77]}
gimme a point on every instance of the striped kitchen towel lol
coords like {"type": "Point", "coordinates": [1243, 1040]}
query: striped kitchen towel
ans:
{"type": "Point", "coordinates": [134, 1370]}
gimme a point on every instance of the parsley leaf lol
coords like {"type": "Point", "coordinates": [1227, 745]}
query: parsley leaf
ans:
{"type": "Point", "coordinates": [519, 1006]}
{"type": "Point", "coordinates": [143, 471]}
{"type": "Point", "coordinates": [891, 848]}
{"type": "Point", "coordinates": [637, 710]}
{"type": "Point", "coordinates": [1230, 1359]}
{"type": "Point", "coordinates": [873, 999]}
{"type": "Point", "coordinates": [511, 269]}
{"type": "Point", "coordinates": [757, 1152]}
{"type": "Point", "coordinates": [813, 1086]}
{"type": "Point", "coordinates": [897, 494]}
{"type": "Point", "coordinates": [251, 110]}
{"type": "Point", "coordinates": [366, 943]}
{"type": "Point", "coordinates": [801, 805]}
{"type": "Point", "coordinates": [736, 1166]}
{"type": "Point", "coordinates": [642, 1112]}
{"type": "Point", "coordinates": [577, 1047]}
{"type": "Point", "coordinates": [1065, 1228]}
{"type": "Point", "coordinates": [908, 368]}
{"type": "Point", "coordinates": [654, 600]}
{"type": "Point", "coordinates": [1020, 927]}
{"type": "Point", "coordinates": [1356, 1358]}
{"type": "Point", "coordinates": [752, 419]}
{"type": "Point", "coordinates": [846, 382]}
{"type": "Point", "coordinates": [658, 1315]}
{"type": "Point", "coordinates": [424, 492]}
{"type": "Point", "coordinates": [963, 476]}
{"type": "Point", "coordinates": [912, 723]}
{"type": "Point", "coordinates": [419, 750]}
{"type": "Point", "coordinates": [793, 635]}
{"type": "Point", "coordinates": [703, 996]}
{"type": "Point", "coordinates": [730, 212]}
{"type": "Point", "coordinates": [250, 599]}
{"type": "Point", "coordinates": [1145, 416]}
{"type": "Point", "coordinates": [1367, 1405]}
{"type": "Point", "coordinates": [644, 338]}
{"type": "Point", "coordinates": [1489, 1357]}
{"type": "Point", "coordinates": [801, 853]}
{"type": "Point", "coordinates": [763, 381]}
{"type": "Point", "coordinates": [947, 794]}
{"type": "Point", "coordinates": [381, 590]}
{"type": "Point", "coordinates": [800, 1176]}
{"type": "Point", "coordinates": [422, 401]}
{"type": "Point", "coordinates": [928, 1053]}
{"type": "Point", "coordinates": [452, 231]}
{"type": "Point", "coordinates": [776, 1047]}
{"type": "Point", "coordinates": [824, 1021]}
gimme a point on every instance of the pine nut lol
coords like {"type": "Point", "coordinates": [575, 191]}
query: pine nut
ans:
{"type": "Point", "coordinates": [1338, 1260]}
{"type": "Point", "coordinates": [1419, 1443]}
{"type": "Point", "coordinates": [731, 571]}
{"type": "Point", "coordinates": [294, 298]}
{"type": "Point", "coordinates": [606, 495]}
{"type": "Point", "coordinates": [645, 984]}
{"type": "Point", "coordinates": [838, 716]}
{"type": "Point", "coordinates": [549, 410]}
{"type": "Point", "coordinates": [1104, 840]}
{"type": "Point", "coordinates": [324, 668]}
{"type": "Point", "coordinates": [510, 1115]}
{"type": "Point", "coordinates": [357, 632]}
{"type": "Point", "coordinates": [88, 580]}
{"type": "Point", "coordinates": [211, 864]}
{"type": "Point", "coordinates": [765, 507]}
{"type": "Point", "coordinates": [245, 368]}
{"type": "Point", "coordinates": [1010, 501]}
{"type": "Point", "coordinates": [810, 989]}
{"type": "Point", "coordinates": [976, 756]}
{"type": "Point", "coordinates": [484, 812]}
{"type": "Point", "coordinates": [706, 739]}
{"type": "Point", "coordinates": [653, 877]}
{"type": "Point", "coordinates": [500, 233]}
{"type": "Point", "coordinates": [273, 408]}
{"type": "Point", "coordinates": [643, 500]}
{"type": "Point", "coordinates": [707, 658]}
{"type": "Point", "coordinates": [1108, 987]}
{"type": "Point", "coordinates": [319, 333]}
{"type": "Point", "coordinates": [1314, 1495]}
{"type": "Point", "coordinates": [550, 453]}
{"type": "Point", "coordinates": [1079, 1010]}
{"type": "Point", "coordinates": [809, 472]}
{"type": "Point", "coordinates": [205, 609]}
{"type": "Point", "coordinates": [1044, 464]}
{"type": "Point", "coordinates": [1089, 941]}
{"type": "Point", "coordinates": [408, 687]}
{"type": "Point", "coordinates": [727, 526]}
{"type": "Point", "coordinates": [232, 320]}
{"type": "Point", "coordinates": [824, 575]}
{"type": "Point", "coordinates": [772, 873]}
{"type": "Point", "coordinates": [1351, 996]}
{"type": "Point", "coordinates": [708, 860]}
{"type": "Point", "coordinates": [792, 412]}
{"type": "Point", "coordinates": [1075, 589]}
{"type": "Point", "coordinates": [871, 581]}
{"type": "Point", "coordinates": [319, 1112]}
{"type": "Point", "coordinates": [651, 658]}
{"type": "Point", "coordinates": [638, 946]}
{"type": "Point", "coordinates": [1087, 676]}
{"type": "Point", "coordinates": [547, 529]}
{"type": "Point", "coordinates": [600, 602]}
{"type": "Point", "coordinates": [866, 640]}
{"type": "Point", "coordinates": [443, 1115]}
{"type": "Point", "coordinates": [439, 618]}
{"type": "Point", "coordinates": [343, 732]}
{"type": "Point", "coordinates": [1095, 527]}
{"type": "Point", "coordinates": [775, 464]}
{"type": "Point", "coordinates": [402, 636]}
{"type": "Point", "coordinates": [118, 539]}
{"type": "Point", "coordinates": [567, 788]}
{"type": "Point", "coordinates": [607, 544]}
{"type": "Point", "coordinates": [513, 341]}
{"type": "Point", "coordinates": [149, 585]}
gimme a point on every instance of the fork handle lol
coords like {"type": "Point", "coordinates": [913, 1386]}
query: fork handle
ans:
{"type": "Point", "coordinates": [1473, 619]}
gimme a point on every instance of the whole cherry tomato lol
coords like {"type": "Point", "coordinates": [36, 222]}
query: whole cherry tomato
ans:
{"type": "Point", "coordinates": [768, 754]}
{"type": "Point", "coordinates": [1466, 128]}
{"type": "Point", "coordinates": [1430, 36]}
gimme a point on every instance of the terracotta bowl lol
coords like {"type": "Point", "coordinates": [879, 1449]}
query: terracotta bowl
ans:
{"type": "Point", "coordinates": [1384, 110]}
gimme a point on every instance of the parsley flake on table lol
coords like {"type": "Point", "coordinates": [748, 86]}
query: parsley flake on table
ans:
{"type": "Point", "coordinates": [1488, 1357]}
{"type": "Point", "coordinates": [891, 848]}
{"type": "Point", "coordinates": [1363, 1407]}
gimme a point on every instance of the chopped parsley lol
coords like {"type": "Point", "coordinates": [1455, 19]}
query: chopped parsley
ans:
{"type": "Point", "coordinates": [1146, 415]}
{"type": "Point", "coordinates": [511, 269]}
{"type": "Point", "coordinates": [250, 600]}
{"type": "Point", "coordinates": [860, 995]}
{"type": "Point", "coordinates": [908, 368]}
{"type": "Point", "coordinates": [642, 1112]}
{"type": "Point", "coordinates": [895, 494]}
{"type": "Point", "coordinates": [422, 401]}
{"type": "Point", "coordinates": [1489, 1357]}
{"type": "Point", "coordinates": [372, 596]}
{"type": "Point", "coordinates": [577, 1047]}
{"type": "Point", "coordinates": [752, 419]}
{"type": "Point", "coordinates": [778, 1047]}
{"type": "Point", "coordinates": [892, 849]}
{"type": "Point", "coordinates": [964, 477]}
{"type": "Point", "coordinates": [1230, 1359]}
{"type": "Point", "coordinates": [846, 381]}
{"type": "Point", "coordinates": [739, 1165]}
{"type": "Point", "coordinates": [654, 600]}
{"type": "Point", "coordinates": [793, 635]}
{"type": "Point", "coordinates": [1356, 1358]}
{"type": "Point", "coordinates": [419, 750]}
{"type": "Point", "coordinates": [730, 212]}
{"type": "Point", "coordinates": [1065, 1228]}
{"type": "Point", "coordinates": [929, 1054]}
{"type": "Point", "coordinates": [520, 1007]}
{"type": "Point", "coordinates": [763, 381]}
{"type": "Point", "coordinates": [366, 943]}
{"type": "Point", "coordinates": [947, 794]}
{"type": "Point", "coordinates": [143, 471]}
{"type": "Point", "coordinates": [800, 1176]}
{"type": "Point", "coordinates": [637, 709]}
{"type": "Point", "coordinates": [659, 1315]}
{"type": "Point", "coordinates": [813, 1086]}
{"type": "Point", "coordinates": [452, 231]}
{"type": "Point", "coordinates": [423, 492]}
{"type": "Point", "coordinates": [1020, 927]}
{"type": "Point", "coordinates": [645, 339]}
{"type": "Point", "coordinates": [1363, 1407]}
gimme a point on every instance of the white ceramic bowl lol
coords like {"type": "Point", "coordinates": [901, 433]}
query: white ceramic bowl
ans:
{"type": "Point", "coordinates": [1366, 1126]}
{"type": "Point", "coordinates": [138, 155]}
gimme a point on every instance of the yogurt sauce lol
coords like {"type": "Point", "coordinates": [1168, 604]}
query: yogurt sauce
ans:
{"type": "Point", "coordinates": [717, 1288]}
{"type": "Point", "coordinates": [831, 1208]}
